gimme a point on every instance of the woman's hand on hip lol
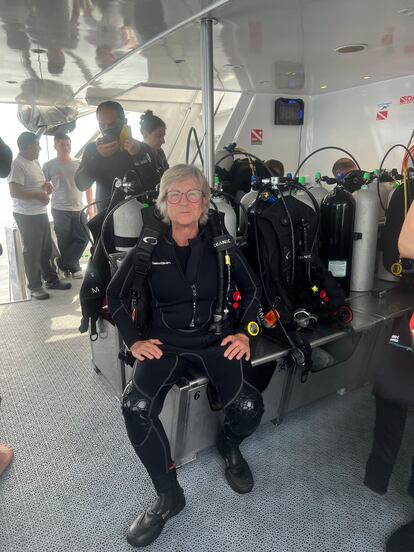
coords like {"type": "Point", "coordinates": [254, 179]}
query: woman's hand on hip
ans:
{"type": "Point", "coordinates": [239, 346]}
{"type": "Point", "coordinates": [147, 348]}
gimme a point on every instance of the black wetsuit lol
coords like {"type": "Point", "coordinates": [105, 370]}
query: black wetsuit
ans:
{"type": "Point", "coordinates": [183, 291]}
{"type": "Point", "coordinates": [149, 165]}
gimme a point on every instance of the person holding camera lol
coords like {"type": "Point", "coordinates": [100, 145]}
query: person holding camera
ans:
{"type": "Point", "coordinates": [113, 154]}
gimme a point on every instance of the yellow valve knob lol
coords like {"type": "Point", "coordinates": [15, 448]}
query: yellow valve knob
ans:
{"type": "Point", "coordinates": [253, 328]}
{"type": "Point", "coordinates": [396, 269]}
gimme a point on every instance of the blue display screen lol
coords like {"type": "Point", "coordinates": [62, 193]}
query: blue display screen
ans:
{"type": "Point", "coordinates": [289, 111]}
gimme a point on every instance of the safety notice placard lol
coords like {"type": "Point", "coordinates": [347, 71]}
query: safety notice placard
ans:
{"type": "Point", "coordinates": [256, 136]}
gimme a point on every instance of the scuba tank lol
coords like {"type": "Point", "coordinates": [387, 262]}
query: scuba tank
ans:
{"type": "Point", "coordinates": [301, 195]}
{"type": "Point", "coordinates": [230, 219]}
{"type": "Point", "coordinates": [127, 219]}
{"type": "Point", "coordinates": [365, 238]}
{"type": "Point", "coordinates": [247, 201]}
{"type": "Point", "coordinates": [382, 190]}
{"type": "Point", "coordinates": [382, 272]}
{"type": "Point", "coordinates": [317, 190]}
{"type": "Point", "coordinates": [337, 233]}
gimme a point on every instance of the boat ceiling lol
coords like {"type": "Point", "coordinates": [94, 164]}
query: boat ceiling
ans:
{"type": "Point", "coordinates": [63, 52]}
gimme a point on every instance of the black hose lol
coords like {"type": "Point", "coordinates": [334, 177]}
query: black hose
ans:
{"type": "Point", "coordinates": [82, 218]}
{"type": "Point", "coordinates": [187, 149]}
{"type": "Point", "coordinates": [322, 149]}
{"type": "Point", "coordinates": [382, 163]}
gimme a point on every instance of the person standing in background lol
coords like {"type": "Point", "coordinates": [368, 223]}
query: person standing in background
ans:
{"type": "Point", "coordinates": [113, 155]}
{"type": "Point", "coordinates": [394, 396]}
{"type": "Point", "coordinates": [30, 195]}
{"type": "Point", "coordinates": [6, 157]}
{"type": "Point", "coordinates": [153, 131]}
{"type": "Point", "coordinates": [66, 207]}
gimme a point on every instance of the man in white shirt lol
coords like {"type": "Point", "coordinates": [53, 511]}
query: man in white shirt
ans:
{"type": "Point", "coordinates": [66, 206]}
{"type": "Point", "coordinates": [30, 195]}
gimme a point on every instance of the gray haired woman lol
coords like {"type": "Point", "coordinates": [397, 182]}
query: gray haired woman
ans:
{"type": "Point", "coordinates": [183, 289]}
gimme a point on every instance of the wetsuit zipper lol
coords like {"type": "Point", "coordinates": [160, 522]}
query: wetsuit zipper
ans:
{"type": "Point", "coordinates": [193, 286]}
{"type": "Point", "coordinates": [194, 290]}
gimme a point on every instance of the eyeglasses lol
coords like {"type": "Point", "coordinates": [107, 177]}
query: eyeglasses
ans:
{"type": "Point", "coordinates": [193, 196]}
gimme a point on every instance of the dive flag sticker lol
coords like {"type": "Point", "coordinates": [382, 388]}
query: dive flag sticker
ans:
{"type": "Point", "coordinates": [406, 100]}
{"type": "Point", "coordinates": [382, 115]}
{"type": "Point", "coordinates": [382, 112]}
{"type": "Point", "coordinates": [256, 136]}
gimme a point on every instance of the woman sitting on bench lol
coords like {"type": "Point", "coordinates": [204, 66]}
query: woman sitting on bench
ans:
{"type": "Point", "coordinates": [184, 287]}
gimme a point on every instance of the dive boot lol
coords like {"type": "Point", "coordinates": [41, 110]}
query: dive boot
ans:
{"type": "Point", "coordinates": [238, 473]}
{"type": "Point", "coordinates": [149, 524]}
{"type": "Point", "coordinates": [402, 540]}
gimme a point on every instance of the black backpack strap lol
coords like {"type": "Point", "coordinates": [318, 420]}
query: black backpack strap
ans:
{"type": "Point", "coordinates": [222, 242]}
{"type": "Point", "coordinates": [152, 231]}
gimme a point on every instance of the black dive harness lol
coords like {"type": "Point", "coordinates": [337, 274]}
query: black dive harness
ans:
{"type": "Point", "coordinates": [152, 231]}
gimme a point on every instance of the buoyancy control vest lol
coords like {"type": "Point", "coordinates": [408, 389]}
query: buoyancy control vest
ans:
{"type": "Point", "coordinates": [97, 275]}
{"type": "Point", "coordinates": [285, 236]}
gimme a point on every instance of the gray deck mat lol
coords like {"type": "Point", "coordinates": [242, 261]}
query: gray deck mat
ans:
{"type": "Point", "coordinates": [76, 484]}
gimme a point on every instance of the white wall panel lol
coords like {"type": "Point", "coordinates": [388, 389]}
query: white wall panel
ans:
{"type": "Point", "coordinates": [279, 141]}
{"type": "Point", "coordinates": [348, 119]}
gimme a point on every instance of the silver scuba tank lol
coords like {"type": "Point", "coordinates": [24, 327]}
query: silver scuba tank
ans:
{"type": "Point", "coordinates": [225, 163]}
{"type": "Point", "coordinates": [382, 272]}
{"type": "Point", "coordinates": [383, 188]}
{"type": "Point", "coordinates": [247, 201]}
{"type": "Point", "coordinates": [301, 195]}
{"type": "Point", "coordinates": [317, 190]}
{"type": "Point", "coordinates": [224, 206]}
{"type": "Point", "coordinates": [365, 239]}
{"type": "Point", "coordinates": [127, 220]}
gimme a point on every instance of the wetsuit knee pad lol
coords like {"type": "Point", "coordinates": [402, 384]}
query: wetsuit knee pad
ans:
{"type": "Point", "coordinates": [135, 405]}
{"type": "Point", "coordinates": [245, 412]}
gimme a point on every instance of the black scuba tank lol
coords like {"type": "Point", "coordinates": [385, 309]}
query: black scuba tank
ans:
{"type": "Point", "coordinates": [337, 234]}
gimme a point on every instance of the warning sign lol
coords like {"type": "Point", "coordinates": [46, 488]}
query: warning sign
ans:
{"type": "Point", "coordinates": [382, 115]}
{"type": "Point", "coordinates": [406, 99]}
{"type": "Point", "coordinates": [256, 136]}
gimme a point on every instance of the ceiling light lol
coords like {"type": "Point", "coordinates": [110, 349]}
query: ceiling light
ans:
{"type": "Point", "coordinates": [38, 50]}
{"type": "Point", "coordinates": [366, 77]}
{"type": "Point", "coordinates": [11, 82]}
{"type": "Point", "coordinates": [324, 86]}
{"type": "Point", "coordinates": [406, 11]}
{"type": "Point", "coordinates": [290, 73]}
{"type": "Point", "coordinates": [179, 61]}
{"type": "Point", "coordinates": [351, 48]}
{"type": "Point", "coordinates": [233, 66]}
{"type": "Point", "coordinates": [264, 82]}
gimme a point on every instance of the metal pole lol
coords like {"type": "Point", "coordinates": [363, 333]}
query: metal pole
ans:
{"type": "Point", "coordinates": [207, 90]}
